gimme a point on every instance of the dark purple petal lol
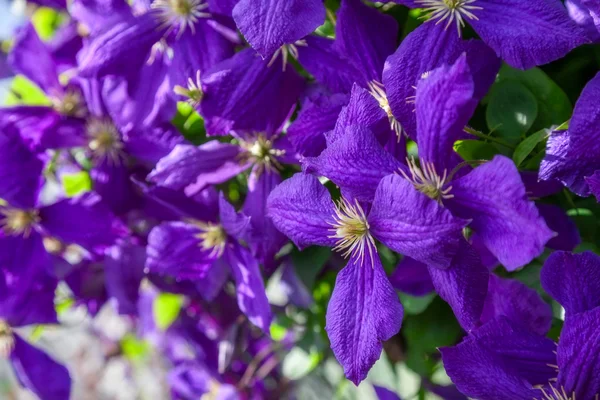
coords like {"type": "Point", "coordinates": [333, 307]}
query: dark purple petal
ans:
{"type": "Point", "coordinates": [363, 312]}
{"type": "Point", "coordinates": [18, 189]}
{"type": "Point", "coordinates": [365, 36]}
{"type": "Point", "coordinates": [355, 162]}
{"type": "Point", "coordinates": [87, 283]}
{"type": "Point", "coordinates": [112, 183]}
{"type": "Point", "coordinates": [567, 235]}
{"type": "Point", "coordinates": [124, 270]}
{"type": "Point", "coordinates": [235, 224]}
{"type": "Point", "coordinates": [269, 24]}
{"type": "Point", "coordinates": [573, 280]}
{"type": "Point", "coordinates": [316, 117]}
{"type": "Point", "coordinates": [244, 93]}
{"type": "Point", "coordinates": [39, 373]}
{"type": "Point", "coordinates": [526, 33]}
{"type": "Point", "coordinates": [518, 303]}
{"type": "Point", "coordinates": [445, 102]}
{"type": "Point", "coordinates": [385, 394]}
{"type": "Point", "coordinates": [593, 182]}
{"type": "Point", "coordinates": [407, 221]}
{"type": "Point", "coordinates": [578, 355]}
{"type": "Point", "coordinates": [537, 188]}
{"type": "Point", "coordinates": [192, 168]}
{"type": "Point", "coordinates": [463, 285]}
{"type": "Point", "coordinates": [574, 154]}
{"type": "Point", "coordinates": [412, 277]}
{"type": "Point", "coordinates": [509, 224]}
{"type": "Point", "coordinates": [494, 363]}
{"type": "Point", "coordinates": [250, 289]}
{"type": "Point", "coordinates": [302, 209]}
{"type": "Point", "coordinates": [31, 58]}
{"type": "Point", "coordinates": [174, 249]}
{"type": "Point", "coordinates": [83, 220]}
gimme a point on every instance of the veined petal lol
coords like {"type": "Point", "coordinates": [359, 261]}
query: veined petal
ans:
{"type": "Point", "coordinates": [302, 209]}
{"type": "Point", "coordinates": [39, 373]}
{"type": "Point", "coordinates": [526, 33]}
{"type": "Point", "coordinates": [355, 162]}
{"type": "Point", "coordinates": [578, 355]}
{"type": "Point", "coordinates": [407, 221]}
{"type": "Point", "coordinates": [518, 303]}
{"type": "Point", "coordinates": [463, 285]}
{"type": "Point", "coordinates": [493, 196]}
{"type": "Point", "coordinates": [250, 289]}
{"type": "Point", "coordinates": [363, 312]}
{"type": "Point", "coordinates": [269, 24]}
{"type": "Point", "coordinates": [573, 280]}
{"type": "Point", "coordinates": [445, 102]}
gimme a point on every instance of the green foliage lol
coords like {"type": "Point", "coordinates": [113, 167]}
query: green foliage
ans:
{"type": "Point", "coordinates": [166, 308]}
{"type": "Point", "coordinates": [77, 183]}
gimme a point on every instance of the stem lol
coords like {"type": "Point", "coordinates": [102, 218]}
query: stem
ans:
{"type": "Point", "coordinates": [482, 135]}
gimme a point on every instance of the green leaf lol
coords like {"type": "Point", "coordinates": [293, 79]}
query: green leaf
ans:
{"type": "Point", "coordinates": [309, 263]}
{"type": "Point", "coordinates": [554, 105]}
{"type": "Point", "coordinates": [526, 146]}
{"type": "Point", "coordinates": [416, 305]}
{"type": "Point", "coordinates": [166, 309]}
{"type": "Point", "coordinates": [189, 123]}
{"type": "Point", "coordinates": [23, 91]}
{"type": "Point", "coordinates": [46, 21]}
{"type": "Point", "coordinates": [77, 183]}
{"type": "Point", "coordinates": [511, 111]}
{"type": "Point", "coordinates": [471, 150]}
{"type": "Point", "coordinates": [134, 348]}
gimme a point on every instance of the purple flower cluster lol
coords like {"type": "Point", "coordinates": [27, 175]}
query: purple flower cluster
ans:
{"type": "Point", "coordinates": [321, 132]}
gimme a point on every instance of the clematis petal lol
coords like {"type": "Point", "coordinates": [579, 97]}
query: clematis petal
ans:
{"type": "Point", "coordinates": [112, 182]}
{"type": "Point", "coordinates": [175, 250]}
{"type": "Point", "coordinates": [527, 33]}
{"type": "Point", "coordinates": [192, 168]}
{"type": "Point", "coordinates": [236, 224]}
{"type": "Point", "coordinates": [18, 189]}
{"type": "Point", "coordinates": [39, 373]}
{"type": "Point", "coordinates": [385, 394]}
{"type": "Point", "coordinates": [497, 360]}
{"type": "Point", "coordinates": [574, 154]}
{"type": "Point", "coordinates": [493, 196]}
{"type": "Point", "coordinates": [250, 289]}
{"type": "Point", "coordinates": [518, 303]}
{"type": "Point", "coordinates": [578, 355]}
{"type": "Point", "coordinates": [573, 280]}
{"type": "Point", "coordinates": [316, 117]}
{"type": "Point", "coordinates": [83, 220]}
{"type": "Point", "coordinates": [567, 235]}
{"type": "Point", "coordinates": [124, 269]}
{"type": "Point", "coordinates": [99, 15]}
{"type": "Point", "coordinates": [582, 16]}
{"type": "Point", "coordinates": [355, 162]}
{"type": "Point", "coordinates": [302, 209]}
{"type": "Point", "coordinates": [293, 287]}
{"type": "Point", "coordinates": [269, 24]}
{"type": "Point", "coordinates": [363, 312]}
{"type": "Point", "coordinates": [244, 93]}
{"type": "Point", "coordinates": [463, 285]}
{"type": "Point", "coordinates": [445, 103]}
{"type": "Point", "coordinates": [412, 277]}
{"type": "Point", "coordinates": [366, 37]}
{"type": "Point", "coordinates": [407, 221]}
{"type": "Point", "coordinates": [426, 48]}
{"type": "Point", "coordinates": [593, 182]}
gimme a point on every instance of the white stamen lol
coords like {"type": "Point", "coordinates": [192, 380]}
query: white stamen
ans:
{"type": "Point", "coordinates": [427, 181]}
{"type": "Point", "coordinates": [180, 14]}
{"type": "Point", "coordinates": [260, 152]}
{"type": "Point", "coordinates": [450, 11]}
{"type": "Point", "coordinates": [377, 90]}
{"type": "Point", "coordinates": [193, 92]}
{"type": "Point", "coordinates": [286, 50]}
{"type": "Point", "coordinates": [71, 104]}
{"type": "Point", "coordinates": [212, 237]}
{"type": "Point", "coordinates": [18, 222]}
{"type": "Point", "coordinates": [351, 228]}
{"type": "Point", "coordinates": [105, 141]}
{"type": "Point", "coordinates": [7, 340]}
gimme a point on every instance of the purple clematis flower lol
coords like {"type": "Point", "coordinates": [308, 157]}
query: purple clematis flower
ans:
{"type": "Point", "coordinates": [26, 221]}
{"type": "Point", "coordinates": [27, 298]}
{"type": "Point", "coordinates": [492, 196]}
{"type": "Point", "coordinates": [573, 156]}
{"type": "Point", "coordinates": [524, 33]}
{"type": "Point", "coordinates": [357, 323]}
{"type": "Point", "coordinates": [207, 251]}
{"type": "Point", "coordinates": [503, 360]}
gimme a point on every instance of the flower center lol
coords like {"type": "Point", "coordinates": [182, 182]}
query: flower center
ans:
{"type": "Point", "coordinates": [260, 151]}
{"type": "Point", "coordinates": [378, 92]}
{"type": "Point", "coordinates": [193, 92]}
{"type": "Point", "coordinates": [70, 104]}
{"type": "Point", "coordinates": [427, 181]}
{"type": "Point", "coordinates": [351, 228]}
{"type": "Point", "coordinates": [18, 222]}
{"type": "Point", "coordinates": [180, 14]}
{"type": "Point", "coordinates": [552, 393]}
{"type": "Point", "coordinates": [104, 140]}
{"type": "Point", "coordinates": [450, 11]}
{"type": "Point", "coordinates": [212, 237]}
{"type": "Point", "coordinates": [7, 340]}
{"type": "Point", "coordinates": [286, 50]}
